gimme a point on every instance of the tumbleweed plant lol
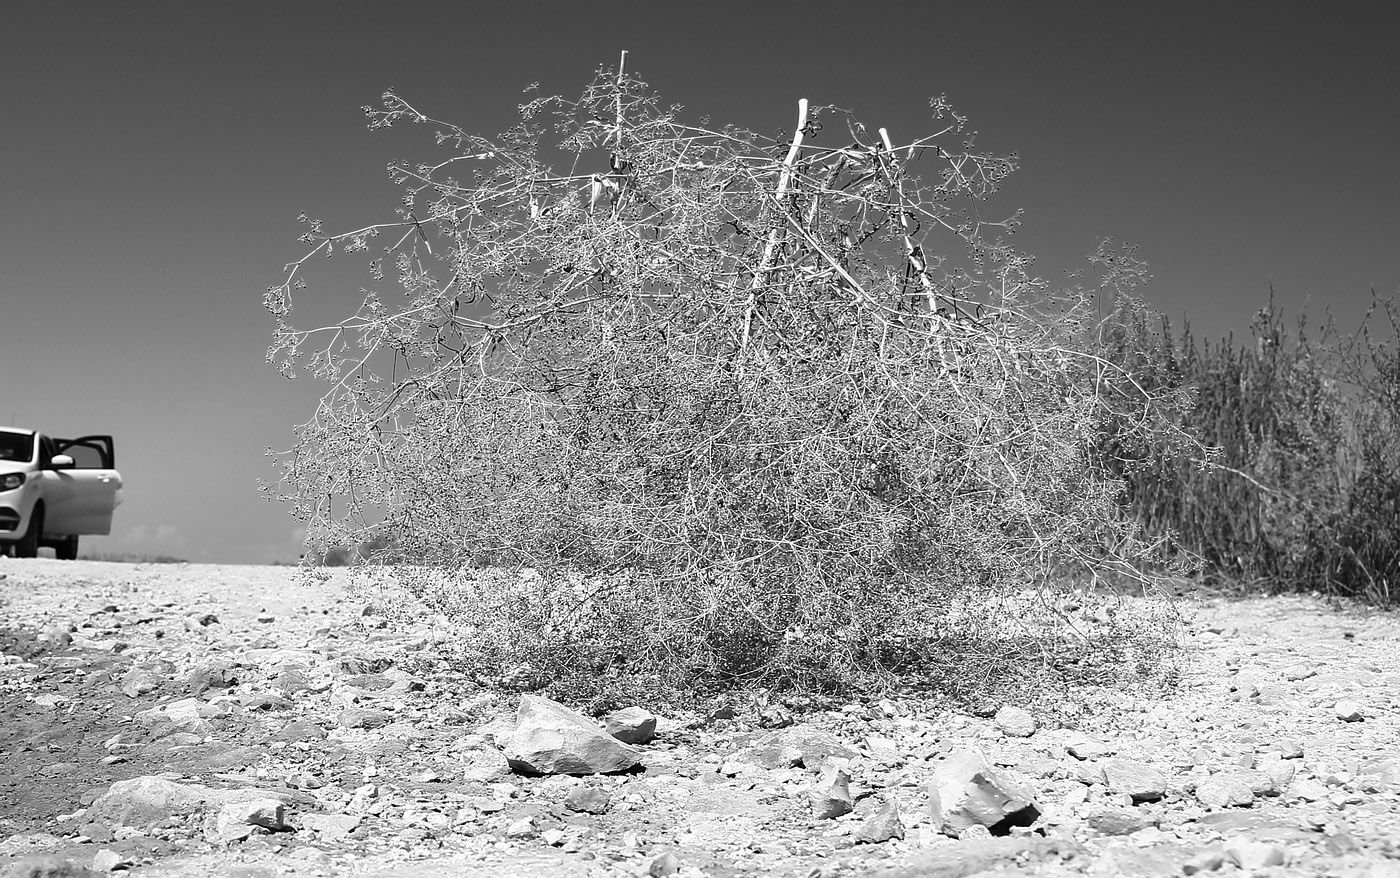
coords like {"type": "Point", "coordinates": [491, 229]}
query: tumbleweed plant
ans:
{"type": "Point", "coordinates": [645, 403]}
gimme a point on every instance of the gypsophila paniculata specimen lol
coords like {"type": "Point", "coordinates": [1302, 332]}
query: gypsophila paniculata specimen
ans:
{"type": "Point", "coordinates": [639, 402]}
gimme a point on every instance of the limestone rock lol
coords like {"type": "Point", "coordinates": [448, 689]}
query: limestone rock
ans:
{"type": "Point", "coordinates": [46, 866]}
{"type": "Point", "coordinates": [522, 828]}
{"type": "Point", "coordinates": [1290, 748]}
{"type": "Point", "coordinates": [1088, 772]}
{"type": "Point", "coordinates": [883, 750]}
{"type": "Point", "coordinates": [1117, 821]}
{"type": "Point", "coordinates": [1348, 711]}
{"type": "Point", "coordinates": [831, 796]}
{"type": "Point", "coordinates": [1205, 861]}
{"type": "Point", "coordinates": [57, 635]}
{"type": "Point", "coordinates": [140, 680]}
{"type": "Point", "coordinates": [664, 864]}
{"type": "Point", "coordinates": [239, 819]}
{"type": "Point", "coordinates": [363, 718]}
{"type": "Point", "coordinates": [549, 738]}
{"type": "Point", "coordinates": [992, 856]}
{"type": "Point", "coordinates": [631, 725]}
{"type": "Point", "coordinates": [884, 825]}
{"type": "Point", "coordinates": [487, 765]}
{"type": "Point", "coordinates": [796, 746]}
{"type": "Point", "coordinates": [291, 681]}
{"type": "Point", "coordinates": [1224, 791]}
{"type": "Point", "coordinates": [149, 799]}
{"type": "Point", "coordinates": [1085, 747]}
{"type": "Point", "coordinates": [1143, 782]}
{"type": "Point", "coordinates": [1015, 721]}
{"type": "Point", "coordinates": [1280, 774]}
{"type": "Point", "coordinates": [1308, 790]}
{"type": "Point", "coordinates": [213, 674]}
{"type": "Point", "coordinates": [587, 800]}
{"type": "Point", "coordinates": [109, 861]}
{"type": "Point", "coordinates": [966, 790]}
{"type": "Point", "coordinates": [301, 730]}
{"type": "Point", "coordinates": [330, 827]}
{"type": "Point", "coordinates": [143, 800]}
{"type": "Point", "coordinates": [1380, 775]}
{"type": "Point", "coordinates": [1261, 783]}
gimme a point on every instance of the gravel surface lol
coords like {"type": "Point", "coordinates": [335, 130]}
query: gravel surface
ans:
{"type": "Point", "coordinates": [193, 720]}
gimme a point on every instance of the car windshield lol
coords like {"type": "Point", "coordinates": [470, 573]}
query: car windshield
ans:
{"type": "Point", "coordinates": [16, 446]}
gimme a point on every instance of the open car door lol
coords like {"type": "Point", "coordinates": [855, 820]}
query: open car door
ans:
{"type": "Point", "coordinates": [89, 491]}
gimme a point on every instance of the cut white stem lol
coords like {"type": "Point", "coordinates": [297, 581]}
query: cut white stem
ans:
{"type": "Point", "coordinates": [784, 182]}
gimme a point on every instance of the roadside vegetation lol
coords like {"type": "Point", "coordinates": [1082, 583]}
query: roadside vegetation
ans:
{"type": "Point", "coordinates": [131, 558]}
{"type": "Point", "coordinates": [1303, 493]}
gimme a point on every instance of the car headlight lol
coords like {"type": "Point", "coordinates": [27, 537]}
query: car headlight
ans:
{"type": "Point", "coordinates": [10, 481]}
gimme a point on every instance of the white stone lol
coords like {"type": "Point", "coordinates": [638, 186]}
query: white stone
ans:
{"type": "Point", "coordinates": [1280, 774]}
{"type": "Point", "coordinates": [549, 738]}
{"type": "Point", "coordinates": [109, 861]}
{"type": "Point", "coordinates": [967, 791]}
{"type": "Point", "coordinates": [831, 797]}
{"type": "Point", "coordinates": [1251, 855]}
{"type": "Point", "coordinates": [142, 800]}
{"type": "Point", "coordinates": [1205, 861]}
{"type": "Point", "coordinates": [631, 725]}
{"type": "Point", "coordinates": [237, 820]}
{"type": "Point", "coordinates": [1015, 721]}
{"type": "Point", "coordinates": [1308, 790]}
{"type": "Point", "coordinates": [1085, 747]}
{"type": "Point", "coordinates": [267, 813]}
{"type": "Point", "coordinates": [883, 750]}
{"type": "Point", "coordinates": [1348, 711]}
{"type": "Point", "coordinates": [486, 765]}
{"type": "Point", "coordinates": [882, 826]}
{"type": "Point", "coordinates": [1142, 782]}
{"type": "Point", "coordinates": [522, 828]}
{"type": "Point", "coordinates": [1224, 791]}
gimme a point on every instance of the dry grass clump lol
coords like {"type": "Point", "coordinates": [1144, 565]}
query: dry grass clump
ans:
{"type": "Point", "coordinates": [1303, 491]}
{"type": "Point", "coordinates": [708, 410]}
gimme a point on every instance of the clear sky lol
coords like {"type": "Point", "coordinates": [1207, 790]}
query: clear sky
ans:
{"type": "Point", "coordinates": [154, 157]}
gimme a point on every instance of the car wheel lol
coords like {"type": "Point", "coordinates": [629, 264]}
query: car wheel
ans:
{"type": "Point", "coordinates": [66, 549]}
{"type": "Point", "coordinates": [28, 545]}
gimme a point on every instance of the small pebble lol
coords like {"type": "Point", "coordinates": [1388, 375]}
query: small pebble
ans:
{"type": "Point", "coordinates": [1348, 711]}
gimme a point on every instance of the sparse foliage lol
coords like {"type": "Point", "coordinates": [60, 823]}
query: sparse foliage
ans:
{"type": "Point", "coordinates": [710, 408]}
{"type": "Point", "coordinates": [1303, 491]}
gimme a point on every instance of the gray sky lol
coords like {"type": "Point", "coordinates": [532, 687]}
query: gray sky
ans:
{"type": "Point", "coordinates": [154, 157]}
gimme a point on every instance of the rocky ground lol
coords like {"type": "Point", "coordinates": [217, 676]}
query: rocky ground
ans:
{"type": "Point", "coordinates": [188, 720]}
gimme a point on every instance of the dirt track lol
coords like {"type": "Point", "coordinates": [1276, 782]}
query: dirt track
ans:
{"type": "Point", "coordinates": [387, 762]}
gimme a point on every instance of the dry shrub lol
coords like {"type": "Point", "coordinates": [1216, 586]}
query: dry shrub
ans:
{"type": "Point", "coordinates": [715, 415]}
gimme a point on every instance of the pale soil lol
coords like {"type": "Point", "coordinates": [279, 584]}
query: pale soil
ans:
{"type": "Point", "coordinates": [1262, 675]}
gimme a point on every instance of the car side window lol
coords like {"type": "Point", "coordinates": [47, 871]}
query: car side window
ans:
{"type": "Point", "coordinates": [46, 452]}
{"type": "Point", "coordinates": [16, 446]}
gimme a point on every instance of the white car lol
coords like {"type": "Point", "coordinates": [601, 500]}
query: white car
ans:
{"type": "Point", "coordinates": [54, 490]}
